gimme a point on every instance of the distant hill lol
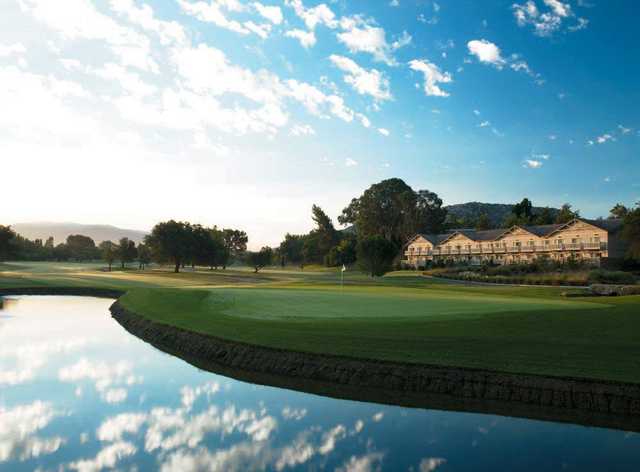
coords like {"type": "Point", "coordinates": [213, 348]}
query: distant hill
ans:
{"type": "Point", "coordinates": [60, 231]}
{"type": "Point", "coordinates": [497, 212]}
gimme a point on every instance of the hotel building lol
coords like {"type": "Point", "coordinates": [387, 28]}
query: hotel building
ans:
{"type": "Point", "coordinates": [582, 239]}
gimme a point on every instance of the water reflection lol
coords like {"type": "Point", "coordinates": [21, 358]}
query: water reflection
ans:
{"type": "Point", "coordinates": [79, 393]}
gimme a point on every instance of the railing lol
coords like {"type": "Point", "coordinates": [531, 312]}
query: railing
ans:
{"type": "Point", "coordinates": [512, 250]}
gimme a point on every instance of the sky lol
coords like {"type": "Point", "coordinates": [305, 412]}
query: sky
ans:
{"type": "Point", "coordinates": [245, 113]}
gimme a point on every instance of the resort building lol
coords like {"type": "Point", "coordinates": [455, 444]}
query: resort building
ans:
{"type": "Point", "coordinates": [582, 239]}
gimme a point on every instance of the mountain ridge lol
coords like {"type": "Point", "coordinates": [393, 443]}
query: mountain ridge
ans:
{"type": "Point", "coordinates": [60, 230]}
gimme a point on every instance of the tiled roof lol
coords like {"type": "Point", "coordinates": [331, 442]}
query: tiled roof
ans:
{"type": "Point", "coordinates": [435, 238]}
{"type": "Point", "coordinates": [612, 225]}
{"type": "Point", "coordinates": [542, 230]}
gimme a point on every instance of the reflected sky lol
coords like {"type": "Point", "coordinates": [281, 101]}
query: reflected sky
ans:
{"type": "Point", "coordinates": [77, 392]}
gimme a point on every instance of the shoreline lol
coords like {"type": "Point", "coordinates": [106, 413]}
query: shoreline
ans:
{"type": "Point", "coordinates": [589, 402]}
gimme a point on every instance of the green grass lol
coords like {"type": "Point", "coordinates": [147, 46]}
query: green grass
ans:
{"type": "Point", "coordinates": [402, 317]}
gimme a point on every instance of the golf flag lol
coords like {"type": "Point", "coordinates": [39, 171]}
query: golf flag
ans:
{"type": "Point", "coordinates": [343, 268]}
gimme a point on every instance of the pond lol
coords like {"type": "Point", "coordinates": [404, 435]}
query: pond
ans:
{"type": "Point", "coordinates": [77, 392]}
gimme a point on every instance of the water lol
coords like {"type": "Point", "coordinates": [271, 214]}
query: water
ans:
{"type": "Point", "coordinates": [77, 392]}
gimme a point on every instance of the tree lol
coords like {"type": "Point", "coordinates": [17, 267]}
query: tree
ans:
{"type": "Point", "coordinates": [483, 222]}
{"type": "Point", "coordinates": [7, 237]}
{"type": "Point", "coordinates": [81, 248]}
{"type": "Point", "coordinates": [170, 241]}
{"type": "Point", "coordinates": [619, 211]}
{"type": "Point", "coordinates": [291, 249]}
{"type": "Point", "coordinates": [144, 256]}
{"type": "Point", "coordinates": [259, 259]}
{"type": "Point", "coordinates": [235, 242]}
{"type": "Point", "coordinates": [208, 247]}
{"type": "Point", "coordinates": [126, 251]}
{"type": "Point", "coordinates": [393, 210]}
{"type": "Point", "coordinates": [61, 252]}
{"type": "Point", "coordinates": [631, 232]}
{"type": "Point", "coordinates": [344, 253]}
{"type": "Point", "coordinates": [523, 210]}
{"type": "Point", "coordinates": [326, 234]}
{"type": "Point", "coordinates": [375, 255]}
{"type": "Point", "coordinates": [544, 217]}
{"type": "Point", "coordinates": [566, 214]}
{"type": "Point", "coordinates": [108, 251]}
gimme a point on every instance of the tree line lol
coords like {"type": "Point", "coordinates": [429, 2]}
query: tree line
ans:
{"type": "Point", "coordinates": [378, 224]}
{"type": "Point", "coordinates": [176, 242]}
{"type": "Point", "coordinates": [522, 214]}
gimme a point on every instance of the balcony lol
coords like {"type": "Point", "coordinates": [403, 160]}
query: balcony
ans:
{"type": "Point", "coordinates": [526, 249]}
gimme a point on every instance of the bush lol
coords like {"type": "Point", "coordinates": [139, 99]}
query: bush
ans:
{"type": "Point", "coordinates": [603, 276]}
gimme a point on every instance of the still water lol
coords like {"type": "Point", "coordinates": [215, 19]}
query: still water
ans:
{"type": "Point", "coordinates": [77, 392]}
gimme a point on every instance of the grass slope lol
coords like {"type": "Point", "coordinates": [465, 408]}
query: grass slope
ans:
{"type": "Point", "coordinates": [402, 318]}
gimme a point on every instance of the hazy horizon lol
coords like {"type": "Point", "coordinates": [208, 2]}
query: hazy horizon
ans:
{"type": "Point", "coordinates": [243, 113]}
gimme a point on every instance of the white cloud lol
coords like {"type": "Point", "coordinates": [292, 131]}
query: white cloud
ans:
{"type": "Point", "coordinates": [307, 38]}
{"type": "Point", "coordinates": [429, 464]}
{"type": "Point", "coordinates": [302, 130]}
{"type": "Point", "coordinates": [582, 24]}
{"type": "Point", "coordinates": [432, 77]}
{"type": "Point", "coordinates": [604, 138]}
{"type": "Point", "coordinates": [202, 142]}
{"type": "Point", "coordinates": [112, 429]}
{"type": "Point", "coordinates": [12, 49]}
{"type": "Point", "coordinates": [365, 463]}
{"type": "Point", "coordinates": [489, 53]}
{"type": "Point", "coordinates": [131, 47]}
{"type": "Point", "coordinates": [394, 3]}
{"type": "Point", "coordinates": [169, 32]}
{"type": "Point", "coordinates": [548, 19]}
{"type": "Point", "coordinates": [262, 30]}
{"type": "Point", "coordinates": [364, 120]}
{"type": "Point", "coordinates": [108, 457]}
{"type": "Point", "coordinates": [213, 13]}
{"type": "Point", "coordinates": [624, 130]}
{"type": "Point", "coordinates": [404, 40]}
{"type": "Point", "coordinates": [532, 164]}
{"type": "Point", "coordinates": [312, 17]}
{"type": "Point", "coordinates": [271, 13]}
{"type": "Point", "coordinates": [350, 162]}
{"type": "Point", "coordinates": [365, 82]}
{"type": "Point", "coordinates": [378, 417]}
{"type": "Point", "coordinates": [484, 124]}
{"type": "Point", "coordinates": [366, 38]}
{"type": "Point", "coordinates": [476, 112]}
{"type": "Point", "coordinates": [486, 52]}
{"type": "Point", "coordinates": [384, 131]}
{"type": "Point", "coordinates": [115, 395]}
{"type": "Point", "coordinates": [541, 156]}
{"type": "Point", "coordinates": [294, 413]}
{"type": "Point", "coordinates": [330, 438]}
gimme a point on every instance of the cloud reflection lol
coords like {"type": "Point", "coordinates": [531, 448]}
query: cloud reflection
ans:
{"type": "Point", "coordinates": [18, 426]}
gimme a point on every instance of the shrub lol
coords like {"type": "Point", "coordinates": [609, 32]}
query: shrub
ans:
{"type": "Point", "coordinates": [603, 276]}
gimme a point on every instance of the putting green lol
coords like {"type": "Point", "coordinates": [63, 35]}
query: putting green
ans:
{"type": "Point", "coordinates": [382, 303]}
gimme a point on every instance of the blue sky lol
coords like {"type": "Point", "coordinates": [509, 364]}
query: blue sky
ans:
{"type": "Point", "coordinates": [245, 113]}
